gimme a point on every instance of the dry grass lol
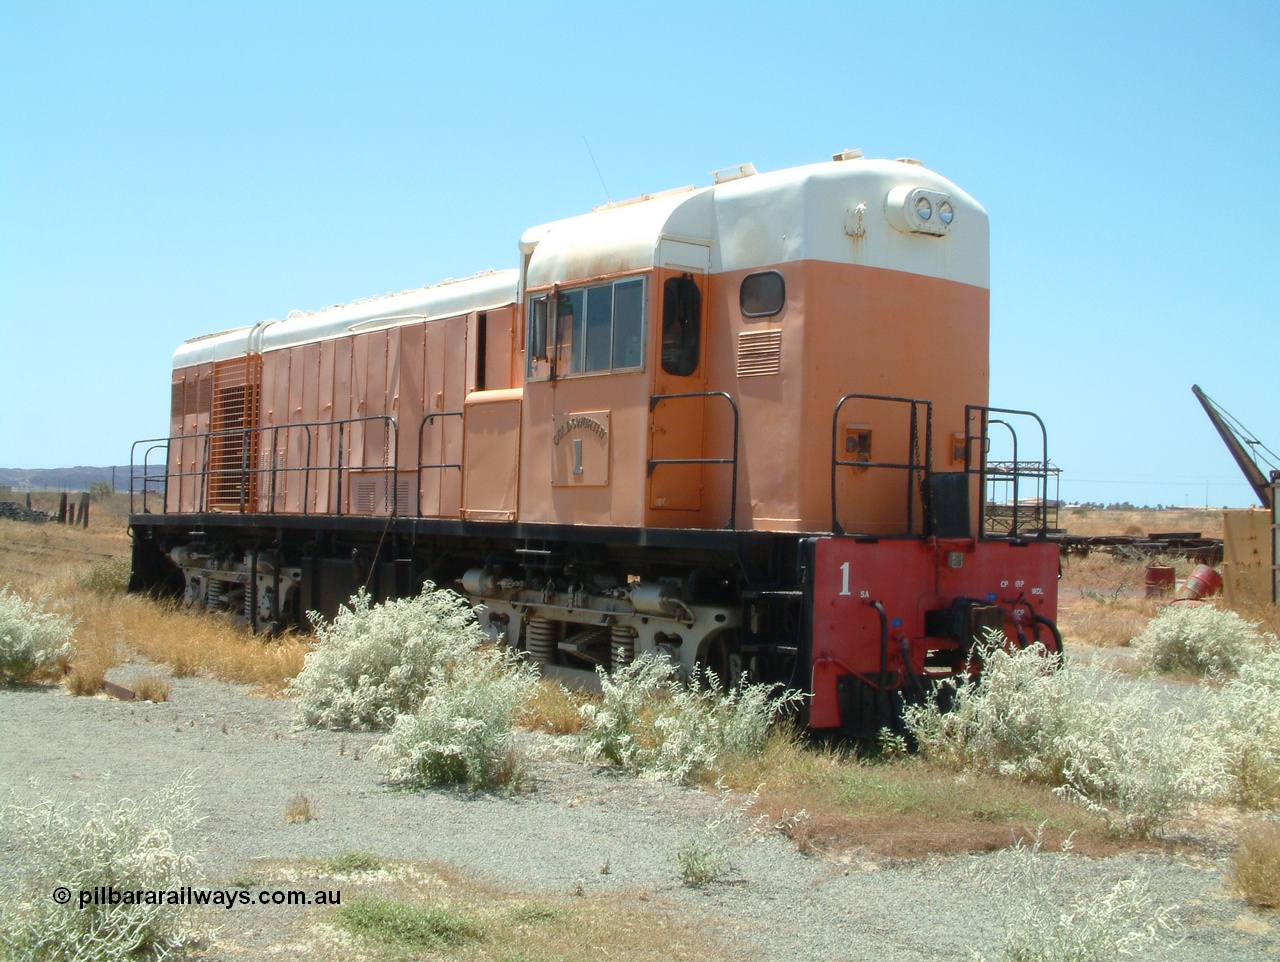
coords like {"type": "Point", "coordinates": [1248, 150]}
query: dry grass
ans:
{"type": "Point", "coordinates": [298, 810]}
{"type": "Point", "coordinates": [80, 572]}
{"type": "Point", "coordinates": [1094, 522]}
{"type": "Point", "coordinates": [152, 688]}
{"type": "Point", "coordinates": [398, 910]}
{"type": "Point", "coordinates": [554, 709]}
{"type": "Point", "coordinates": [1255, 866]}
{"type": "Point", "coordinates": [1102, 598]}
{"type": "Point", "coordinates": [905, 809]}
{"type": "Point", "coordinates": [87, 672]}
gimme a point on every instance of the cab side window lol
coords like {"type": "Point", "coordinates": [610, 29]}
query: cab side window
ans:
{"type": "Point", "coordinates": [681, 325]}
{"type": "Point", "coordinates": [589, 329]}
{"type": "Point", "coordinates": [762, 294]}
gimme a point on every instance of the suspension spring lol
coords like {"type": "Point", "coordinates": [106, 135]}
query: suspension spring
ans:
{"type": "Point", "coordinates": [540, 639]}
{"type": "Point", "coordinates": [623, 642]}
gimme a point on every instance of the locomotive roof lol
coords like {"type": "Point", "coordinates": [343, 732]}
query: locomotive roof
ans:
{"type": "Point", "coordinates": [482, 292]}
{"type": "Point", "coordinates": [840, 211]}
{"type": "Point", "coordinates": [760, 220]}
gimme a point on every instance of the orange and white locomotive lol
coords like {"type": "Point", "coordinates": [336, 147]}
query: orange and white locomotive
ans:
{"type": "Point", "coordinates": [745, 425]}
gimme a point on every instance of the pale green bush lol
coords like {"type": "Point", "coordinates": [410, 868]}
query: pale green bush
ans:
{"type": "Point", "coordinates": [708, 853]}
{"type": "Point", "coordinates": [462, 733]}
{"type": "Point", "coordinates": [1090, 735]}
{"type": "Point", "coordinates": [1201, 640]}
{"type": "Point", "coordinates": [32, 640]}
{"type": "Point", "coordinates": [649, 723]}
{"type": "Point", "coordinates": [1246, 726]}
{"type": "Point", "coordinates": [1043, 925]}
{"type": "Point", "coordinates": [129, 847]}
{"type": "Point", "coordinates": [107, 577]}
{"type": "Point", "coordinates": [1136, 762]}
{"type": "Point", "coordinates": [1012, 721]}
{"type": "Point", "coordinates": [375, 662]}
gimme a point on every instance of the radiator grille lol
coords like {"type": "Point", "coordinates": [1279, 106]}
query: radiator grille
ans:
{"type": "Point", "coordinates": [234, 442]}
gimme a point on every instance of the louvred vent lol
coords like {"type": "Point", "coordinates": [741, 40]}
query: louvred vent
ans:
{"type": "Point", "coordinates": [759, 353]}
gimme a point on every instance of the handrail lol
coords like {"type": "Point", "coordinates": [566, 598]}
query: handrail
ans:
{"type": "Point", "coordinates": [206, 473]}
{"type": "Point", "coordinates": [1038, 471]}
{"type": "Point", "coordinates": [275, 461]}
{"type": "Point", "coordinates": [657, 399]}
{"type": "Point", "coordinates": [147, 477]}
{"type": "Point", "coordinates": [912, 467]}
{"type": "Point", "coordinates": [422, 465]}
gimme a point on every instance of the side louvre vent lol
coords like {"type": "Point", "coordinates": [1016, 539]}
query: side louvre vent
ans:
{"type": "Point", "coordinates": [364, 499]}
{"type": "Point", "coordinates": [371, 494]}
{"type": "Point", "coordinates": [759, 353]}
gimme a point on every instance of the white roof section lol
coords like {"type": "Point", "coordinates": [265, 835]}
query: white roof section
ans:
{"type": "Point", "coordinates": [450, 298]}
{"type": "Point", "coordinates": [846, 211]}
{"type": "Point", "coordinates": [837, 211]}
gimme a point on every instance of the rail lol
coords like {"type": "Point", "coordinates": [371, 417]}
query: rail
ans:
{"type": "Point", "coordinates": [1012, 515]}
{"type": "Point", "coordinates": [916, 470]}
{"type": "Point", "coordinates": [215, 482]}
{"type": "Point", "coordinates": [438, 465]}
{"type": "Point", "coordinates": [657, 399]}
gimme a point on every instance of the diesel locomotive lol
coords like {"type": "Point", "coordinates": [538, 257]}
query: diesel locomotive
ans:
{"type": "Point", "coordinates": [745, 425]}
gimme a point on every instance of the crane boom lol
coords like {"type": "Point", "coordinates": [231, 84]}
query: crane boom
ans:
{"type": "Point", "coordinates": [1257, 480]}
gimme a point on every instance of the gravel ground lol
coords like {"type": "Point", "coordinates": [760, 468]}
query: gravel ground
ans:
{"type": "Point", "coordinates": [248, 760]}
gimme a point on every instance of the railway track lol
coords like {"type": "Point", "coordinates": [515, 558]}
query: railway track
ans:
{"type": "Point", "coordinates": [1187, 544]}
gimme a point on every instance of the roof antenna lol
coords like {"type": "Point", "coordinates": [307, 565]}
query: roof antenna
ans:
{"type": "Point", "coordinates": [597, 167]}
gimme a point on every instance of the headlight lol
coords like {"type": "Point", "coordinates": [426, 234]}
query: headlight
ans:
{"type": "Point", "coordinates": [918, 210]}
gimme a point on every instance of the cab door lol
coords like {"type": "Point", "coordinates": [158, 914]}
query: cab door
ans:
{"type": "Point", "coordinates": [677, 407]}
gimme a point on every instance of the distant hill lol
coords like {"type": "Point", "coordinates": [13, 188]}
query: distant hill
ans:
{"type": "Point", "coordinates": [62, 479]}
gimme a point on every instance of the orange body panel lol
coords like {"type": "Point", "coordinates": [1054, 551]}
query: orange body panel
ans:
{"type": "Point", "coordinates": [844, 329]}
{"type": "Point", "coordinates": [619, 502]}
{"type": "Point", "coordinates": [491, 466]}
{"type": "Point", "coordinates": [192, 401]}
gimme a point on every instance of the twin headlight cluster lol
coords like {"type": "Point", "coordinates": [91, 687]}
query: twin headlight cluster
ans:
{"type": "Point", "coordinates": [918, 210]}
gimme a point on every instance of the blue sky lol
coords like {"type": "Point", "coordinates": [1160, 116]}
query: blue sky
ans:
{"type": "Point", "coordinates": [173, 169]}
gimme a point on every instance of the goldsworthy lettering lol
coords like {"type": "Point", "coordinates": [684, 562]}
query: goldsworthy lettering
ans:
{"type": "Point", "coordinates": [589, 424]}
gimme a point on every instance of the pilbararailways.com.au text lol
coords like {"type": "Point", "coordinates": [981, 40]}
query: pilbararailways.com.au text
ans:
{"type": "Point", "coordinates": [108, 895]}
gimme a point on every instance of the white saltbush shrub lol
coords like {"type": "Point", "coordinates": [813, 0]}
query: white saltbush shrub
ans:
{"type": "Point", "coordinates": [128, 846]}
{"type": "Point", "coordinates": [32, 640]}
{"type": "Point", "coordinates": [1135, 761]}
{"type": "Point", "coordinates": [375, 662]}
{"type": "Point", "coordinates": [1202, 640]}
{"type": "Point", "coordinates": [651, 724]}
{"type": "Point", "coordinates": [1246, 726]}
{"type": "Point", "coordinates": [1043, 923]}
{"type": "Point", "coordinates": [462, 733]}
{"type": "Point", "coordinates": [1012, 721]}
{"type": "Point", "coordinates": [1090, 735]}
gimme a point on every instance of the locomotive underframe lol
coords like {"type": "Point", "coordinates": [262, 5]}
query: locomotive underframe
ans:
{"type": "Point", "coordinates": [573, 597]}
